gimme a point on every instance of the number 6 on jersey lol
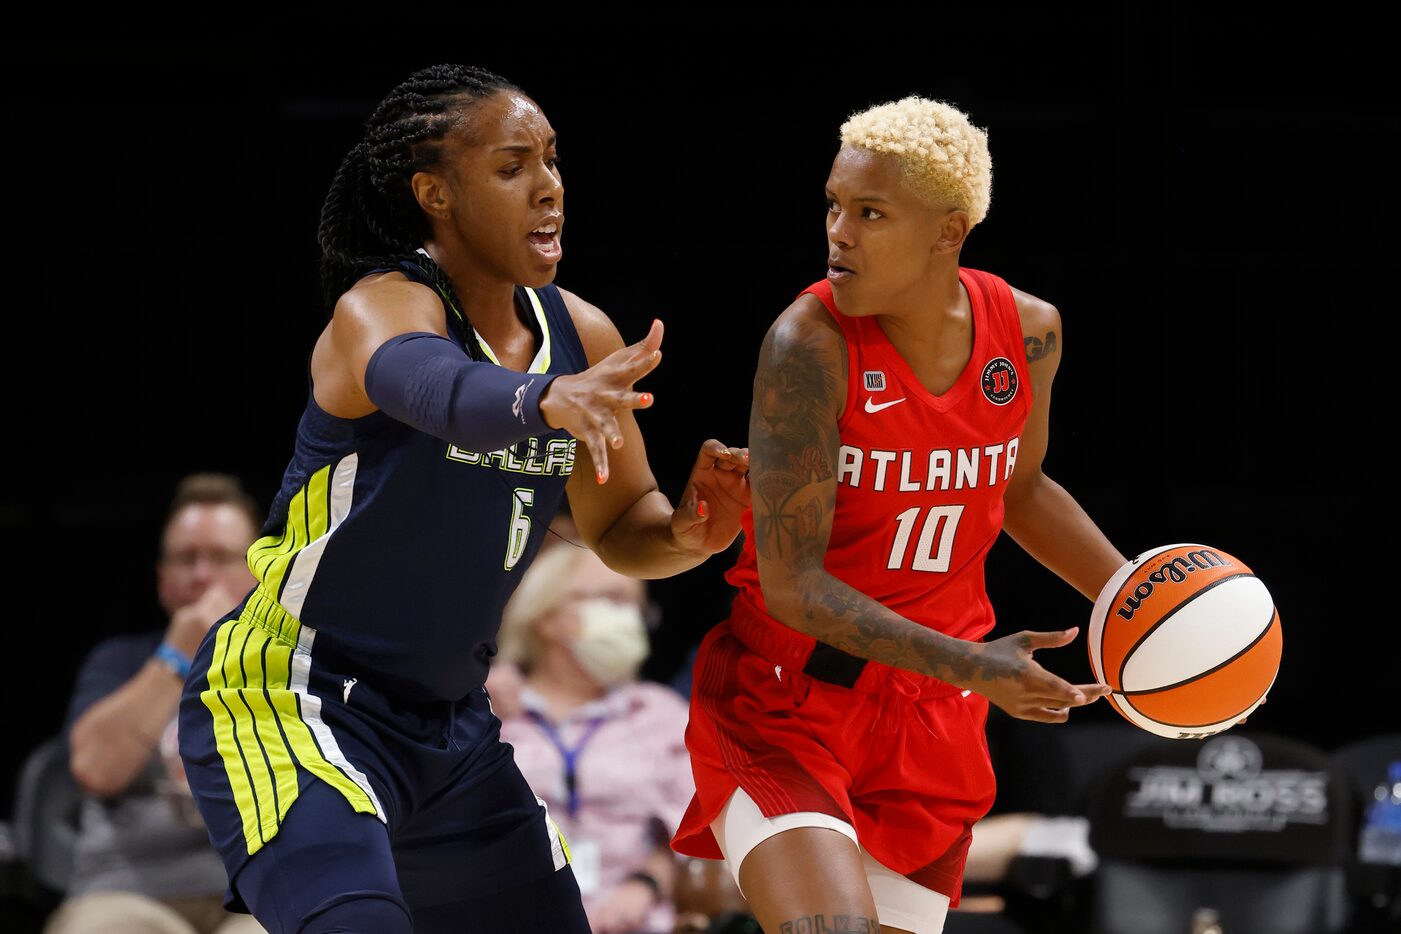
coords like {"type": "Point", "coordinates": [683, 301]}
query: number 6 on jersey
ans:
{"type": "Point", "coordinates": [519, 533]}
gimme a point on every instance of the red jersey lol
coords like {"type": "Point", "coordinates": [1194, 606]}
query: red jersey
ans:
{"type": "Point", "coordinates": [920, 480]}
{"type": "Point", "coordinates": [920, 477]}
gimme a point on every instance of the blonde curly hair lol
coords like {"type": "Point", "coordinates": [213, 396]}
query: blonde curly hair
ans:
{"type": "Point", "coordinates": [944, 156]}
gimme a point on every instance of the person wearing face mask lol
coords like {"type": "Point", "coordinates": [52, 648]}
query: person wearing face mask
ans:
{"type": "Point", "coordinates": [604, 750]}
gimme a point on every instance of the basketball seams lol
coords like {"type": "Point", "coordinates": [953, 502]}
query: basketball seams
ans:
{"type": "Point", "coordinates": [1203, 730]}
{"type": "Point", "coordinates": [1123, 662]}
{"type": "Point", "coordinates": [1101, 619]}
{"type": "Point", "coordinates": [1202, 726]}
{"type": "Point", "coordinates": [1269, 627]}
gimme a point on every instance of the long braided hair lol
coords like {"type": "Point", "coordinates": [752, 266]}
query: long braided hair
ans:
{"type": "Point", "coordinates": [370, 217]}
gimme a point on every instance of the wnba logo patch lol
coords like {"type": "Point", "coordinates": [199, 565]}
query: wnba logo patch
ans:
{"type": "Point", "coordinates": [875, 380]}
{"type": "Point", "coordinates": [999, 381]}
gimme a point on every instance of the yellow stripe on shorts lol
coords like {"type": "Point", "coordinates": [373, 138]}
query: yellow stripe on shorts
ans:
{"type": "Point", "coordinates": [266, 724]}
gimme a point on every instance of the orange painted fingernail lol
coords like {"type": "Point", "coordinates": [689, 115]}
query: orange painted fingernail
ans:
{"type": "Point", "coordinates": [700, 509]}
{"type": "Point", "coordinates": [602, 476]}
{"type": "Point", "coordinates": [646, 398]}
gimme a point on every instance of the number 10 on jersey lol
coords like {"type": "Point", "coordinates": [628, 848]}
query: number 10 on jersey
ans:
{"type": "Point", "coordinates": [935, 545]}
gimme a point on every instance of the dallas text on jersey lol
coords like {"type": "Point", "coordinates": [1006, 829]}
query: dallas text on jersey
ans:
{"type": "Point", "coordinates": [557, 458]}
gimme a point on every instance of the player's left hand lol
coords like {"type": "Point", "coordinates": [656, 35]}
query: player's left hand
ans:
{"type": "Point", "coordinates": [707, 519]}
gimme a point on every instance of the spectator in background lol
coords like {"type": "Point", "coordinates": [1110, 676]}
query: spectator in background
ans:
{"type": "Point", "coordinates": [143, 862]}
{"type": "Point", "coordinates": [605, 751]}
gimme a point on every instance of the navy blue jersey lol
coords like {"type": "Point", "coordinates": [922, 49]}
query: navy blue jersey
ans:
{"type": "Point", "coordinates": [398, 549]}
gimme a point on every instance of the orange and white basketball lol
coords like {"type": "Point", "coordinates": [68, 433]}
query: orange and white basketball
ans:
{"type": "Point", "coordinates": [1188, 638]}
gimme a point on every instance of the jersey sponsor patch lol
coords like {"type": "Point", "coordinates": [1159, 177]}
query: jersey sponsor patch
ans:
{"type": "Point", "coordinates": [875, 380]}
{"type": "Point", "coordinates": [999, 381]}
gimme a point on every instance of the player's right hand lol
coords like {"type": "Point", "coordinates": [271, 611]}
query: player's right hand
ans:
{"type": "Point", "coordinates": [587, 404]}
{"type": "Point", "coordinates": [1013, 680]}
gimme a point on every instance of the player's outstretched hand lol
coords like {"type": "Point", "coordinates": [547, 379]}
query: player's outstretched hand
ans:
{"type": "Point", "coordinates": [707, 519]}
{"type": "Point", "coordinates": [1010, 678]}
{"type": "Point", "coordinates": [587, 404]}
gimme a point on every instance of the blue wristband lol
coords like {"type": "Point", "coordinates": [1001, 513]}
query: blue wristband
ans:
{"type": "Point", "coordinates": [174, 659]}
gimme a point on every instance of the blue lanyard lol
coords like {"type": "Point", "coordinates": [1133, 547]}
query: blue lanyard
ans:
{"type": "Point", "coordinates": [570, 756]}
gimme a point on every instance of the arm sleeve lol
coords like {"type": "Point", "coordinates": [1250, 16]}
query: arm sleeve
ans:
{"type": "Point", "coordinates": [425, 380]}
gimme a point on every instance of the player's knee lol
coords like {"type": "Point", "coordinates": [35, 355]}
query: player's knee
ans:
{"type": "Point", "coordinates": [359, 914]}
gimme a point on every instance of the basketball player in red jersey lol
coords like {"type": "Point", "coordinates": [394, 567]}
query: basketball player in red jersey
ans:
{"type": "Point", "coordinates": [899, 423]}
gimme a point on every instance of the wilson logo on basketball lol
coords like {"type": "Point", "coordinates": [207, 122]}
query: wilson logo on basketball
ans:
{"type": "Point", "coordinates": [1175, 571]}
{"type": "Point", "coordinates": [999, 381]}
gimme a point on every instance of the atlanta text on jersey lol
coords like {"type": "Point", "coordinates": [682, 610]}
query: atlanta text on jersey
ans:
{"type": "Point", "coordinates": [941, 469]}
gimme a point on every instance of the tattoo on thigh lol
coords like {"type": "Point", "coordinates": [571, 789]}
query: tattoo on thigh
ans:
{"type": "Point", "coordinates": [835, 924]}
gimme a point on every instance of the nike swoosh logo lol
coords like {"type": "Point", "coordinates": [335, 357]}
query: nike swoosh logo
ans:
{"type": "Point", "coordinates": [873, 408]}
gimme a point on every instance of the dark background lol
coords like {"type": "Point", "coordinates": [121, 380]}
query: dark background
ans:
{"type": "Point", "coordinates": [1206, 196]}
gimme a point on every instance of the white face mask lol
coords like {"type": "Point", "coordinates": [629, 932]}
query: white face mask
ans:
{"type": "Point", "coordinates": [612, 641]}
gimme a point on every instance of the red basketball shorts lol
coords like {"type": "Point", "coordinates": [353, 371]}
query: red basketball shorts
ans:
{"type": "Point", "coordinates": [901, 757]}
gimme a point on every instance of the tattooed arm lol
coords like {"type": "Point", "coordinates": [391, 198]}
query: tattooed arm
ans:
{"type": "Point", "coordinates": [1040, 515]}
{"type": "Point", "coordinates": [799, 393]}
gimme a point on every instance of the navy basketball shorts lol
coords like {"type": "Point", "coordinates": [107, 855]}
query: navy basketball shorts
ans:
{"type": "Point", "coordinates": [327, 798]}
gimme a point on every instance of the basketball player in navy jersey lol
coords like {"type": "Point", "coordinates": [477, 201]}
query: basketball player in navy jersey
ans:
{"type": "Point", "coordinates": [334, 727]}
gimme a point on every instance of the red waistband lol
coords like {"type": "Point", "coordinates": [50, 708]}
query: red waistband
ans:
{"type": "Point", "coordinates": [767, 637]}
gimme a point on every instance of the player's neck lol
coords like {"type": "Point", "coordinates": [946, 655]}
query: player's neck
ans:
{"type": "Point", "coordinates": [488, 301]}
{"type": "Point", "coordinates": [557, 677]}
{"type": "Point", "coordinates": [931, 312]}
